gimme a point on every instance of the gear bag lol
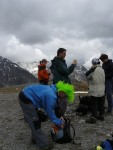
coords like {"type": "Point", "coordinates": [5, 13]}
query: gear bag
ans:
{"type": "Point", "coordinates": [65, 135]}
{"type": "Point", "coordinates": [84, 105]}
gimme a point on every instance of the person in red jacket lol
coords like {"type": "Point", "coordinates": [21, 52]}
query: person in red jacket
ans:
{"type": "Point", "coordinates": [43, 75]}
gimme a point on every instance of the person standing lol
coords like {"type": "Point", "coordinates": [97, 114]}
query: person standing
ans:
{"type": "Point", "coordinates": [43, 75]}
{"type": "Point", "coordinates": [108, 68]}
{"type": "Point", "coordinates": [53, 99]}
{"type": "Point", "coordinates": [96, 80]}
{"type": "Point", "coordinates": [59, 67]}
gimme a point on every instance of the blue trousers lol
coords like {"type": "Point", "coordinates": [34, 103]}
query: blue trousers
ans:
{"type": "Point", "coordinates": [108, 91]}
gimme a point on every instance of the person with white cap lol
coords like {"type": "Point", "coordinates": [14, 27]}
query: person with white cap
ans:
{"type": "Point", "coordinates": [96, 80]}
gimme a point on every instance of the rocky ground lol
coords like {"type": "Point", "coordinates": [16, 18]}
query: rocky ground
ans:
{"type": "Point", "coordinates": [15, 133]}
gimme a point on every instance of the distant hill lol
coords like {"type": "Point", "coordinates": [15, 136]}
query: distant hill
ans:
{"type": "Point", "coordinates": [12, 74]}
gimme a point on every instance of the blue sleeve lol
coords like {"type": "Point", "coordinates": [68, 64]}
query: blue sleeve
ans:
{"type": "Point", "coordinates": [49, 109]}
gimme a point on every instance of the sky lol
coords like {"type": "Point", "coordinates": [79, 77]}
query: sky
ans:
{"type": "Point", "coordinates": [31, 30]}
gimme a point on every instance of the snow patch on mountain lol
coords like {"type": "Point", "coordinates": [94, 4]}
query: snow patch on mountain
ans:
{"type": "Point", "coordinates": [77, 75]}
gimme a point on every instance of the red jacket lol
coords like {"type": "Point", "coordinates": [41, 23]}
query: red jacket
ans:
{"type": "Point", "coordinates": [43, 75]}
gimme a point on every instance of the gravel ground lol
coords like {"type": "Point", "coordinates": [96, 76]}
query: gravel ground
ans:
{"type": "Point", "coordinates": [15, 133]}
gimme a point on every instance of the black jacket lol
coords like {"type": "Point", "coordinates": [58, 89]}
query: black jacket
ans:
{"type": "Point", "coordinates": [108, 69]}
{"type": "Point", "coordinates": [60, 70]}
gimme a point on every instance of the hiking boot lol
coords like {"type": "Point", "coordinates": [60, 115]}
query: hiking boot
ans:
{"type": "Point", "coordinates": [50, 146]}
{"type": "Point", "coordinates": [91, 120]}
{"type": "Point", "coordinates": [33, 141]}
{"type": "Point", "coordinates": [101, 118]}
{"type": "Point", "coordinates": [108, 112]}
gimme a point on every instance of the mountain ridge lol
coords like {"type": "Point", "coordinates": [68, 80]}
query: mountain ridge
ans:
{"type": "Point", "coordinates": [12, 74]}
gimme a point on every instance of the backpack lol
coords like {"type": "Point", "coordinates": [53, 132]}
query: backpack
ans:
{"type": "Point", "coordinates": [84, 105]}
{"type": "Point", "coordinates": [107, 144]}
{"type": "Point", "coordinates": [65, 135]}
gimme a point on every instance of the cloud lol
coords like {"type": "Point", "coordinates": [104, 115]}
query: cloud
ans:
{"type": "Point", "coordinates": [39, 27]}
{"type": "Point", "coordinates": [17, 51]}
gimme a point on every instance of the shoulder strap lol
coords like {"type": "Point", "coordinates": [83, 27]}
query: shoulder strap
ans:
{"type": "Point", "coordinates": [68, 120]}
{"type": "Point", "coordinates": [73, 140]}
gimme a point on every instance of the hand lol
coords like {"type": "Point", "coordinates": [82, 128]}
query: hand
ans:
{"type": "Point", "coordinates": [74, 62]}
{"type": "Point", "coordinates": [62, 126]}
{"type": "Point", "coordinates": [62, 119]}
{"type": "Point", "coordinates": [63, 122]}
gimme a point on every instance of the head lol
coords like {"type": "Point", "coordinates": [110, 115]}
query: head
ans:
{"type": "Point", "coordinates": [95, 61]}
{"type": "Point", "coordinates": [65, 89]}
{"type": "Point", "coordinates": [44, 61]}
{"type": "Point", "coordinates": [61, 106]}
{"type": "Point", "coordinates": [104, 58]}
{"type": "Point", "coordinates": [61, 52]}
{"type": "Point", "coordinates": [65, 94]}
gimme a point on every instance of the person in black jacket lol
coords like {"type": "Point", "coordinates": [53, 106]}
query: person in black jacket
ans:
{"type": "Point", "coordinates": [108, 68]}
{"type": "Point", "coordinates": [59, 67]}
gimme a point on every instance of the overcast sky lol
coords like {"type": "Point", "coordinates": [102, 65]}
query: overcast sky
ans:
{"type": "Point", "coordinates": [34, 29]}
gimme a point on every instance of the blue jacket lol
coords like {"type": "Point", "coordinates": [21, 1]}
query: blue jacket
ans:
{"type": "Point", "coordinates": [44, 96]}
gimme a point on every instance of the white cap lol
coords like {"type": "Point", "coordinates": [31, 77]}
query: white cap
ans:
{"type": "Point", "coordinates": [95, 61]}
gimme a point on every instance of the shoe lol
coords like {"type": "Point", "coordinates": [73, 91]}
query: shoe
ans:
{"type": "Point", "coordinates": [108, 112]}
{"type": "Point", "coordinates": [101, 118]}
{"type": "Point", "coordinates": [33, 141]}
{"type": "Point", "coordinates": [50, 146]}
{"type": "Point", "coordinates": [91, 120]}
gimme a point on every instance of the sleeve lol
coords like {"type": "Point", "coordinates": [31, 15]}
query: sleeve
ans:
{"type": "Point", "coordinates": [109, 74]}
{"type": "Point", "coordinates": [63, 69]}
{"type": "Point", "coordinates": [89, 72]}
{"type": "Point", "coordinates": [49, 109]}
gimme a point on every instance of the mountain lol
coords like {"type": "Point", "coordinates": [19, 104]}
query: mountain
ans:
{"type": "Point", "coordinates": [77, 75]}
{"type": "Point", "coordinates": [13, 74]}
{"type": "Point", "coordinates": [32, 67]}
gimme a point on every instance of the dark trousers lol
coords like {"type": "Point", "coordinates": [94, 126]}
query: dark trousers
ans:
{"type": "Point", "coordinates": [97, 106]}
{"type": "Point", "coordinates": [33, 120]}
{"type": "Point", "coordinates": [43, 82]}
{"type": "Point", "coordinates": [108, 90]}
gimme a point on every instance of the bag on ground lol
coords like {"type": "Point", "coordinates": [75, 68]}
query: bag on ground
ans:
{"type": "Point", "coordinates": [65, 135]}
{"type": "Point", "coordinates": [84, 105]}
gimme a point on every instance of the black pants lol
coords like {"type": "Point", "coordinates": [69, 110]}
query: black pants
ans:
{"type": "Point", "coordinates": [43, 82]}
{"type": "Point", "coordinates": [97, 106]}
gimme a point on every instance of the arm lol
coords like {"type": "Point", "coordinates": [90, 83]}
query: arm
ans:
{"type": "Point", "coordinates": [62, 68]}
{"type": "Point", "coordinates": [109, 73]}
{"type": "Point", "coordinates": [90, 71]}
{"type": "Point", "coordinates": [49, 109]}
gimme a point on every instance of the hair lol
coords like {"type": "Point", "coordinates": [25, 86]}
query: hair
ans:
{"type": "Point", "coordinates": [66, 88]}
{"type": "Point", "coordinates": [60, 50]}
{"type": "Point", "coordinates": [42, 61]}
{"type": "Point", "coordinates": [103, 56]}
